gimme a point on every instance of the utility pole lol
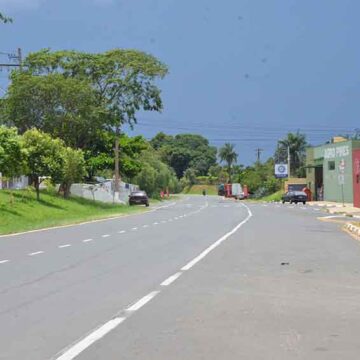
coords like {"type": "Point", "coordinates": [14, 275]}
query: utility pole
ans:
{"type": "Point", "coordinates": [289, 161]}
{"type": "Point", "coordinates": [19, 58]}
{"type": "Point", "coordinates": [15, 60]}
{"type": "Point", "coordinates": [258, 154]}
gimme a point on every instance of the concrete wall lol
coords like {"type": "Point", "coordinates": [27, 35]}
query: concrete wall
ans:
{"type": "Point", "coordinates": [17, 183]}
{"type": "Point", "coordinates": [103, 192]}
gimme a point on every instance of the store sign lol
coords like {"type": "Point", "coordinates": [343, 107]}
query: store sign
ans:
{"type": "Point", "coordinates": [336, 152]}
{"type": "Point", "coordinates": [281, 171]}
{"type": "Point", "coordinates": [342, 166]}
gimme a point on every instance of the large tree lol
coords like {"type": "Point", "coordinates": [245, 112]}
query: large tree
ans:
{"type": "Point", "coordinates": [185, 151]}
{"type": "Point", "coordinates": [296, 144]}
{"type": "Point", "coordinates": [44, 158]}
{"type": "Point", "coordinates": [61, 106]}
{"type": "Point", "coordinates": [228, 154]}
{"type": "Point", "coordinates": [124, 81]}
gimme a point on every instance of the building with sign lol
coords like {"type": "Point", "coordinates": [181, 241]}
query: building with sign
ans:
{"type": "Point", "coordinates": [331, 171]}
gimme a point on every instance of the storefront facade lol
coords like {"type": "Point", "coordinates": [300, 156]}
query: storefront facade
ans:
{"type": "Point", "coordinates": [330, 171]}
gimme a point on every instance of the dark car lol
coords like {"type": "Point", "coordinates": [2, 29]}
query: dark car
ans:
{"type": "Point", "coordinates": [294, 197]}
{"type": "Point", "coordinates": [138, 198]}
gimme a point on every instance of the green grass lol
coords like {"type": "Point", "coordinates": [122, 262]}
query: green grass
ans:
{"type": "Point", "coordinates": [198, 189]}
{"type": "Point", "coordinates": [19, 210]}
{"type": "Point", "coordinates": [273, 197]}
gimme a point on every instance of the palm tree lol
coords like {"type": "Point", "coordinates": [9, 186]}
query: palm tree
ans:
{"type": "Point", "coordinates": [227, 153]}
{"type": "Point", "coordinates": [296, 143]}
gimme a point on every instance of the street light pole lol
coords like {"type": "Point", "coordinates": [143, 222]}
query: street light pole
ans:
{"type": "Point", "coordinates": [289, 161]}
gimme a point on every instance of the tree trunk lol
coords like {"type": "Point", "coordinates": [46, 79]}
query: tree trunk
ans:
{"type": "Point", "coordinates": [117, 151]}
{"type": "Point", "coordinates": [229, 170]}
{"type": "Point", "coordinates": [37, 187]}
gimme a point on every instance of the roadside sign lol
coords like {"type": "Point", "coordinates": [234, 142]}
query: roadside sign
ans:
{"type": "Point", "coordinates": [342, 166]}
{"type": "Point", "coordinates": [281, 171]}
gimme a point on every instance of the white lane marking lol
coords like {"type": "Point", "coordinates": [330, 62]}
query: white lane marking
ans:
{"type": "Point", "coordinates": [143, 301]}
{"type": "Point", "coordinates": [87, 240]}
{"type": "Point", "coordinates": [175, 218]}
{"type": "Point", "coordinates": [96, 335]}
{"type": "Point", "coordinates": [36, 253]}
{"type": "Point", "coordinates": [145, 226]}
{"type": "Point", "coordinates": [163, 221]}
{"type": "Point", "coordinates": [171, 279]}
{"type": "Point", "coordinates": [121, 232]}
{"type": "Point", "coordinates": [64, 246]}
{"type": "Point", "coordinates": [217, 243]}
{"type": "Point", "coordinates": [134, 228]}
{"type": "Point", "coordinates": [331, 216]}
{"type": "Point", "coordinates": [170, 220]}
{"type": "Point", "coordinates": [155, 223]}
{"type": "Point", "coordinates": [105, 236]}
{"type": "Point", "coordinates": [4, 261]}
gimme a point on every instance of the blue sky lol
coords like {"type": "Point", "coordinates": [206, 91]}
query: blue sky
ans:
{"type": "Point", "coordinates": [241, 71]}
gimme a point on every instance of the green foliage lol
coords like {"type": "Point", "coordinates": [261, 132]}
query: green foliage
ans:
{"type": "Point", "coordinates": [185, 151]}
{"type": "Point", "coordinates": [63, 107]}
{"type": "Point", "coordinates": [260, 178]}
{"type": "Point", "coordinates": [190, 176]}
{"type": "Point", "coordinates": [297, 144]}
{"type": "Point", "coordinates": [11, 152]}
{"type": "Point", "coordinates": [124, 80]}
{"type": "Point", "coordinates": [100, 156]}
{"type": "Point", "coordinates": [73, 169]}
{"type": "Point", "coordinates": [227, 154]}
{"type": "Point", "coordinates": [5, 19]}
{"type": "Point", "coordinates": [44, 157]}
{"type": "Point", "coordinates": [155, 176]}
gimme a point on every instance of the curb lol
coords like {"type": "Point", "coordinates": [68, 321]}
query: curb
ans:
{"type": "Point", "coordinates": [354, 230]}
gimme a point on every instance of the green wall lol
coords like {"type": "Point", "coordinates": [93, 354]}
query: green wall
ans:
{"type": "Point", "coordinates": [333, 154]}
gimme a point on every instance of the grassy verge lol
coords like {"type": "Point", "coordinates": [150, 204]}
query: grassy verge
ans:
{"type": "Point", "coordinates": [19, 210]}
{"type": "Point", "coordinates": [272, 197]}
{"type": "Point", "coordinates": [198, 189]}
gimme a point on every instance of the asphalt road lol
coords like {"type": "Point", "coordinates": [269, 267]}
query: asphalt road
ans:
{"type": "Point", "coordinates": [203, 278]}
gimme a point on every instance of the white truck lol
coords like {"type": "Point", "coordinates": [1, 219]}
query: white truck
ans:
{"type": "Point", "coordinates": [237, 191]}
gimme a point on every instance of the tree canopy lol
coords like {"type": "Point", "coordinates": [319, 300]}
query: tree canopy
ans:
{"type": "Point", "coordinates": [228, 154]}
{"type": "Point", "coordinates": [185, 151]}
{"type": "Point", "coordinates": [296, 143]}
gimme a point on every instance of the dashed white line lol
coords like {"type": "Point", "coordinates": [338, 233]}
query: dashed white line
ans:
{"type": "Point", "coordinates": [163, 221]}
{"type": "Point", "coordinates": [134, 228]}
{"type": "Point", "coordinates": [87, 240]}
{"type": "Point", "coordinates": [155, 223]}
{"type": "Point", "coordinates": [143, 301]}
{"type": "Point", "coordinates": [74, 350]}
{"type": "Point", "coordinates": [4, 261]}
{"type": "Point", "coordinates": [96, 335]}
{"type": "Point", "coordinates": [121, 232]}
{"type": "Point", "coordinates": [217, 243]}
{"type": "Point", "coordinates": [64, 246]}
{"type": "Point", "coordinates": [145, 226]}
{"type": "Point", "coordinates": [36, 253]}
{"type": "Point", "coordinates": [105, 236]}
{"type": "Point", "coordinates": [171, 279]}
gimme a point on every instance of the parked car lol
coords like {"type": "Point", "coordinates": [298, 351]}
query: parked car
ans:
{"type": "Point", "coordinates": [138, 198]}
{"type": "Point", "coordinates": [294, 197]}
